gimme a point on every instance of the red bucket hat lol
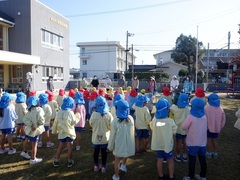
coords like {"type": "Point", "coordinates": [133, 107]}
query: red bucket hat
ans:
{"type": "Point", "coordinates": [200, 93]}
{"type": "Point", "coordinates": [133, 93]}
{"type": "Point", "coordinates": [50, 95]}
{"type": "Point", "coordinates": [61, 92]}
{"type": "Point", "coordinates": [32, 93]}
{"type": "Point", "coordinates": [71, 93]}
{"type": "Point", "coordinates": [101, 92]}
{"type": "Point", "coordinates": [81, 90]}
{"type": "Point", "coordinates": [166, 91]}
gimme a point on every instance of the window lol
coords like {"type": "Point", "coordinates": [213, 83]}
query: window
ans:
{"type": "Point", "coordinates": [55, 72]}
{"type": "Point", "coordinates": [17, 74]}
{"type": "Point", "coordinates": [84, 74]}
{"type": "Point", "coordinates": [51, 40]}
{"type": "Point", "coordinates": [84, 62]}
{"type": "Point", "coordinates": [82, 50]}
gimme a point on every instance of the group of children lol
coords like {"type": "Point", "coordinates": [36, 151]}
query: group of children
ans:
{"type": "Point", "coordinates": [121, 123]}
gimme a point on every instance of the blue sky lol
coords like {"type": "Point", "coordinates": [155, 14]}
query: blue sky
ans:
{"type": "Point", "coordinates": [156, 24]}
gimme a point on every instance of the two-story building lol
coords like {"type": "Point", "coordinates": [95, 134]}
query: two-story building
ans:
{"type": "Point", "coordinates": [164, 63]}
{"type": "Point", "coordinates": [103, 58]}
{"type": "Point", "coordinates": [33, 38]}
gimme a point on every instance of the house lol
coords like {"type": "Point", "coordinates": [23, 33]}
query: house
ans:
{"type": "Point", "coordinates": [103, 58]}
{"type": "Point", "coordinates": [215, 63]}
{"type": "Point", "coordinates": [164, 63]}
{"type": "Point", "coordinates": [33, 38]}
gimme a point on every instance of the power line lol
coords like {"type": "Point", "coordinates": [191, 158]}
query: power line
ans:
{"type": "Point", "coordinates": [173, 28]}
{"type": "Point", "coordinates": [124, 10]}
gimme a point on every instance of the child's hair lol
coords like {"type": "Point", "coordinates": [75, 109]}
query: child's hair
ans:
{"type": "Point", "coordinates": [120, 120]}
{"type": "Point", "coordinates": [31, 108]}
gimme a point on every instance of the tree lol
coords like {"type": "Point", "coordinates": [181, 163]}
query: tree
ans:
{"type": "Point", "coordinates": [182, 72]}
{"type": "Point", "coordinates": [185, 52]}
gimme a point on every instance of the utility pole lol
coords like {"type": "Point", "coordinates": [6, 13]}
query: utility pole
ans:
{"type": "Point", "coordinates": [208, 63]}
{"type": "Point", "coordinates": [196, 62]}
{"type": "Point", "coordinates": [132, 63]}
{"type": "Point", "coordinates": [229, 36]}
{"type": "Point", "coordinates": [128, 35]}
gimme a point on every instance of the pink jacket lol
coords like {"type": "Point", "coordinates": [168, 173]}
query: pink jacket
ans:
{"type": "Point", "coordinates": [196, 130]}
{"type": "Point", "coordinates": [82, 111]}
{"type": "Point", "coordinates": [215, 118]}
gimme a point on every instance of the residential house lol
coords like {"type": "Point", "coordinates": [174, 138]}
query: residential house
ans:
{"type": "Point", "coordinates": [164, 63]}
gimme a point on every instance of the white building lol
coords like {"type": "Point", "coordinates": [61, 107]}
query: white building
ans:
{"type": "Point", "coordinates": [165, 63]}
{"type": "Point", "coordinates": [103, 58]}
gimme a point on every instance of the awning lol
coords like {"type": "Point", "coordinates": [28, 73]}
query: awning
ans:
{"type": "Point", "coordinates": [7, 57]}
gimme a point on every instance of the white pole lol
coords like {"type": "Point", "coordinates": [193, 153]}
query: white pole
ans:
{"type": "Point", "coordinates": [208, 63]}
{"type": "Point", "coordinates": [196, 62]}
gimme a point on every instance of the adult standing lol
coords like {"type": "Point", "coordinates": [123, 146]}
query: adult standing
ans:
{"type": "Point", "coordinates": [135, 83]}
{"type": "Point", "coordinates": [174, 84]}
{"type": "Point", "coordinates": [107, 83]}
{"type": "Point", "coordinates": [95, 82]}
{"type": "Point", "coordinates": [29, 78]}
{"type": "Point", "coordinates": [121, 82]}
{"type": "Point", "coordinates": [152, 85]}
{"type": "Point", "coordinates": [188, 85]}
{"type": "Point", "coordinates": [50, 86]}
{"type": "Point", "coordinates": [83, 83]}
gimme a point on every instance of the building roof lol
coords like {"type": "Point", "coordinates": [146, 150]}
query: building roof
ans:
{"type": "Point", "coordinates": [6, 19]}
{"type": "Point", "coordinates": [141, 68]}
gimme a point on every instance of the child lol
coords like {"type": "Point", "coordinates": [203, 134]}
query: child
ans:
{"type": "Point", "coordinates": [180, 112]}
{"type": "Point", "coordinates": [71, 93]}
{"type": "Point", "coordinates": [143, 118]}
{"type": "Point", "coordinates": [128, 93]}
{"type": "Point", "coordinates": [53, 104]}
{"type": "Point", "coordinates": [79, 108]}
{"type": "Point", "coordinates": [111, 92]}
{"type": "Point", "coordinates": [196, 127]}
{"type": "Point", "coordinates": [43, 102]}
{"type": "Point", "coordinates": [64, 127]}
{"type": "Point", "coordinates": [199, 94]}
{"type": "Point", "coordinates": [163, 128]}
{"type": "Point", "coordinates": [120, 90]}
{"type": "Point", "coordinates": [86, 100]}
{"type": "Point", "coordinates": [132, 99]}
{"type": "Point", "coordinates": [92, 101]}
{"type": "Point", "coordinates": [113, 109]}
{"type": "Point", "coordinates": [237, 123]}
{"type": "Point", "coordinates": [109, 100]}
{"type": "Point", "coordinates": [100, 122]}
{"type": "Point", "coordinates": [166, 94]}
{"type": "Point", "coordinates": [101, 92]}
{"type": "Point", "coordinates": [122, 140]}
{"type": "Point", "coordinates": [34, 121]}
{"type": "Point", "coordinates": [60, 97]}
{"type": "Point", "coordinates": [8, 117]}
{"type": "Point", "coordinates": [216, 120]}
{"type": "Point", "coordinates": [21, 110]}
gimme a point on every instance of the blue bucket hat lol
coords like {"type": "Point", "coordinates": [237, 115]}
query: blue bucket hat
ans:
{"type": "Point", "coordinates": [32, 101]}
{"type": "Point", "coordinates": [67, 103]}
{"type": "Point", "coordinates": [141, 99]}
{"type": "Point", "coordinates": [20, 97]}
{"type": "Point", "coordinates": [79, 98]}
{"type": "Point", "coordinates": [183, 100]}
{"type": "Point", "coordinates": [122, 109]}
{"type": "Point", "coordinates": [6, 97]}
{"type": "Point", "coordinates": [43, 99]}
{"type": "Point", "coordinates": [117, 97]}
{"type": "Point", "coordinates": [162, 108]}
{"type": "Point", "coordinates": [213, 100]}
{"type": "Point", "coordinates": [197, 109]}
{"type": "Point", "coordinates": [101, 104]}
